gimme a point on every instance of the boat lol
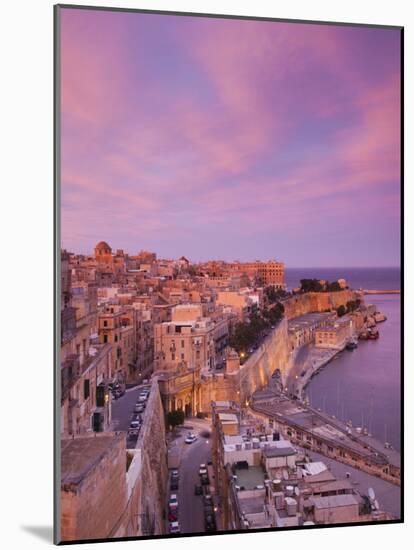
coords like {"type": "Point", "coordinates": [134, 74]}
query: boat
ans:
{"type": "Point", "coordinates": [373, 334]}
{"type": "Point", "coordinates": [363, 335]}
{"type": "Point", "coordinates": [379, 317]}
{"type": "Point", "coordinates": [351, 345]}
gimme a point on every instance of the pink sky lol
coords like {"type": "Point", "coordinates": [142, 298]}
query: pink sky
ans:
{"type": "Point", "coordinates": [230, 138]}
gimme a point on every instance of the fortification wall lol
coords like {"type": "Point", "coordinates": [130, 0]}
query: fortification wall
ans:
{"type": "Point", "coordinates": [273, 354]}
{"type": "Point", "coordinates": [254, 374]}
{"type": "Point", "coordinates": [312, 302]}
{"type": "Point", "coordinates": [154, 474]}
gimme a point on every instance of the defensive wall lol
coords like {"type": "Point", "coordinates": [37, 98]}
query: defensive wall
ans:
{"type": "Point", "coordinates": [273, 353]}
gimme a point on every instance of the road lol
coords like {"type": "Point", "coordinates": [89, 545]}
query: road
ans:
{"type": "Point", "coordinates": [191, 516]}
{"type": "Point", "coordinates": [122, 410]}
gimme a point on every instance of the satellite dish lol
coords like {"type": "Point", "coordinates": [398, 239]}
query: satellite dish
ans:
{"type": "Point", "coordinates": [376, 505]}
{"type": "Point", "coordinates": [371, 493]}
{"type": "Point", "coordinates": [297, 491]}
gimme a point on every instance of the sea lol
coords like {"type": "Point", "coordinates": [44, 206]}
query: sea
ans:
{"type": "Point", "coordinates": [363, 385]}
{"type": "Point", "coordinates": [368, 278]}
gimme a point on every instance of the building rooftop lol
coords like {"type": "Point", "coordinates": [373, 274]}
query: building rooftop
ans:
{"type": "Point", "coordinates": [273, 452]}
{"type": "Point", "coordinates": [307, 320]}
{"type": "Point", "coordinates": [81, 454]}
{"type": "Point", "coordinates": [251, 505]}
{"type": "Point", "coordinates": [334, 501]}
{"type": "Point", "coordinates": [250, 478]}
{"type": "Point", "coordinates": [320, 477]}
{"type": "Point", "coordinates": [228, 418]}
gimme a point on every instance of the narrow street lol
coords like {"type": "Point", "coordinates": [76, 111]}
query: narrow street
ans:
{"type": "Point", "coordinates": [122, 409]}
{"type": "Point", "coordinates": [190, 505]}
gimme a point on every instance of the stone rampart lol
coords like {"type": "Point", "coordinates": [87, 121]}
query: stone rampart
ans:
{"type": "Point", "coordinates": [313, 302]}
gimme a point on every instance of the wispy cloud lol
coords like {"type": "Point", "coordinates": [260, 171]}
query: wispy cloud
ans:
{"type": "Point", "coordinates": [175, 129]}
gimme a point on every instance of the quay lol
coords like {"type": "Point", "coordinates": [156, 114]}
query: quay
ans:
{"type": "Point", "coordinates": [381, 291]}
{"type": "Point", "coordinates": [321, 433]}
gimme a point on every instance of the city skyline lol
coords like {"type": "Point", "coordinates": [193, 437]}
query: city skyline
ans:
{"type": "Point", "coordinates": [231, 139]}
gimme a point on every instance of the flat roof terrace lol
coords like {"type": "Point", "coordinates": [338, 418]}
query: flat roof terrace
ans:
{"type": "Point", "coordinates": [79, 455]}
{"type": "Point", "coordinates": [250, 478]}
{"type": "Point", "coordinates": [308, 320]}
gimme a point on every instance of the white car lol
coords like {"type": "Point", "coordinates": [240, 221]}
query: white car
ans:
{"type": "Point", "coordinates": [190, 438]}
{"type": "Point", "coordinates": [173, 502]}
{"type": "Point", "coordinates": [175, 527]}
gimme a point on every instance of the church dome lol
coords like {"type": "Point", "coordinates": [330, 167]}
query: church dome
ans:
{"type": "Point", "coordinates": [103, 246]}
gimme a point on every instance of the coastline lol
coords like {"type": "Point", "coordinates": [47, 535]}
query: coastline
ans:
{"type": "Point", "coordinates": [373, 292]}
{"type": "Point", "coordinates": [312, 366]}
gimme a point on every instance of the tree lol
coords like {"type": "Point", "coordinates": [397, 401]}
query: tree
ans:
{"type": "Point", "coordinates": [175, 418]}
{"type": "Point", "coordinates": [333, 287]}
{"type": "Point", "coordinates": [341, 311]}
{"type": "Point", "coordinates": [275, 313]}
{"type": "Point", "coordinates": [310, 285]}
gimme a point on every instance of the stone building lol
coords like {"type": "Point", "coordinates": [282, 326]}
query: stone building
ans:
{"type": "Point", "coordinates": [110, 331]}
{"type": "Point", "coordinates": [109, 491]}
{"type": "Point", "coordinates": [85, 400]}
{"type": "Point", "coordinates": [335, 334]}
{"type": "Point", "coordinates": [103, 255]}
{"type": "Point", "coordinates": [264, 482]}
{"type": "Point", "coordinates": [93, 486]}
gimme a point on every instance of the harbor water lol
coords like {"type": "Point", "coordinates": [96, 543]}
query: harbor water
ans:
{"type": "Point", "coordinates": [363, 385]}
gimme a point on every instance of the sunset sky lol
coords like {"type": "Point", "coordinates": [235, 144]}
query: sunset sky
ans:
{"type": "Point", "coordinates": [230, 139]}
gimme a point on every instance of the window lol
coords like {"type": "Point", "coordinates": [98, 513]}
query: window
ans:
{"type": "Point", "coordinates": [105, 323]}
{"type": "Point", "coordinates": [97, 422]}
{"type": "Point", "coordinates": [173, 357]}
{"type": "Point", "coordinates": [105, 338]}
{"type": "Point", "coordinates": [182, 356]}
{"type": "Point", "coordinates": [182, 343]}
{"type": "Point", "coordinates": [86, 389]}
{"type": "Point", "coordinates": [100, 396]}
{"type": "Point", "coordinates": [198, 354]}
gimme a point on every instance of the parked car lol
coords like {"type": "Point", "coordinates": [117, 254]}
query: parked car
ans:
{"type": "Point", "coordinates": [175, 527]}
{"type": "Point", "coordinates": [173, 515]}
{"type": "Point", "coordinates": [174, 473]}
{"type": "Point", "coordinates": [139, 408]}
{"type": "Point", "coordinates": [210, 523]}
{"type": "Point", "coordinates": [203, 469]}
{"type": "Point", "coordinates": [174, 484]}
{"type": "Point", "coordinates": [173, 499]}
{"type": "Point", "coordinates": [198, 490]}
{"type": "Point", "coordinates": [190, 439]}
{"type": "Point", "coordinates": [204, 479]}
